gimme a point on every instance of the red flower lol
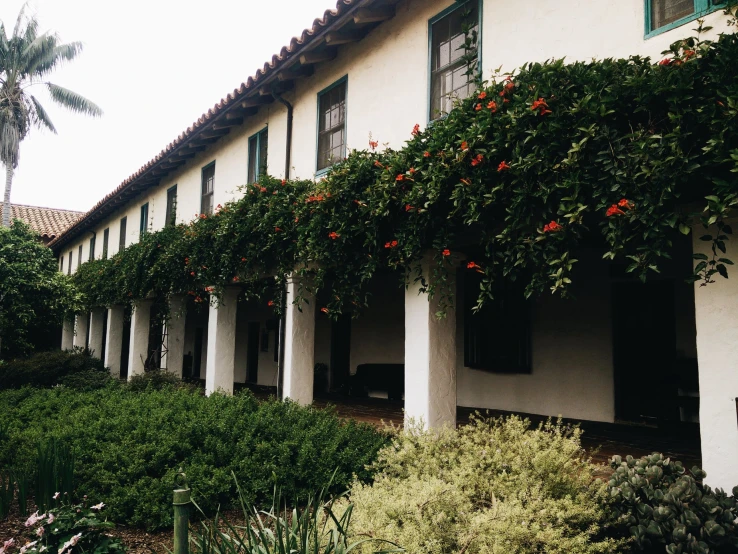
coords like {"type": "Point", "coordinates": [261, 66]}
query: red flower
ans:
{"type": "Point", "coordinates": [426, 154]}
{"type": "Point", "coordinates": [324, 310]}
{"type": "Point", "coordinates": [263, 189]}
{"type": "Point", "coordinates": [482, 95]}
{"type": "Point", "coordinates": [625, 203]}
{"type": "Point", "coordinates": [391, 244]}
{"type": "Point", "coordinates": [503, 166]}
{"type": "Point", "coordinates": [270, 303]}
{"type": "Point", "coordinates": [466, 181]}
{"type": "Point", "coordinates": [284, 182]}
{"type": "Point", "coordinates": [277, 229]}
{"type": "Point", "coordinates": [209, 289]}
{"type": "Point", "coordinates": [373, 144]}
{"type": "Point", "coordinates": [510, 85]}
{"type": "Point", "coordinates": [472, 265]}
{"type": "Point", "coordinates": [377, 163]}
{"type": "Point", "coordinates": [552, 227]}
{"type": "Point", "coordinates": [446, 252]}
{"type": "Point", "coordinates": [416, 130]}
{"type": "Point", "coordinates": [333, 235]}
{"type": "Point", "coordinates": [187, 261]}
{"type": "Point", "coordinates": [689, 53]}
{"type": "Point", "coordinates": [192, 273]}
{"type": "Point", "coordinates": [203, 216]}
{"type": "Point", "coordinates": [477, 160]}
{"type": "Point", "coordinates": [614, 210]}
{"type": "Point", "coordinates": [409, 208]}
{"type": "Point", "coordinates": [400, 177]}
{"type": "Point", "coordinates": [492, 105]}
{"type": "Point", "coordinates": [666, 61]}
{"type": "Point", "coordinates": [411, 171]}
{"type": "Point", "coordinates": [243, 259]}
{"type": "Point", "coordinates": [465, 145]}
{"type": "Point", "coordinates": [235, 279]}
{"type": "Point", "coordinates": [297, 219]}
{"type": "Point", "coordinates": [478, 107]}
{"type": "Point", "coordinates": [541, 106]}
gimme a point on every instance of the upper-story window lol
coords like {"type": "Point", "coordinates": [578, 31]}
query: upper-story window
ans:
{"type": "Point", "coordinates": [144, 224]}
{"type": "Point", "coordinates": [79, 256]}
{"type": "Point", "coordinates": [61, 264]}
{"type": "Point", "coordinates": [69, 266]}
{"type": "Point", "coordinates": [208, 186]}
{"type": "Point", "coordinates": [92, 247]}
{"type": "Point", "coordinates": [332, 124]}
{"type": "Point", "coordinates": [122, 235]}
{"type": "Point", "coordinates": [258, 145]}
{"type": "Point", "coordinates": [171, 206]}
{"type": "Point", "coordinates": [450, 76]}
{"type": "Point", "coordinates": [662, 15]}
{"type": "Point", "coordinates": [106, 240]}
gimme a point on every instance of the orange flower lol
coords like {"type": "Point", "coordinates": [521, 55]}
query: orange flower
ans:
{"type": "Point", "coordinates": [333, 235]}
{"type": "Point", "coordinates": [270, 303]}
{"type": "Point", "coordinates": [373, 144]}
{"type": "Point", "coordinates": [243, 259]}
{"type": "Point", "coordinates": [478, 107]}
{"type": "Point", "coordinates": [400, 177]}
{"type": "Point", "coordinates": [625, 203]}
{"type": "Point", "coordinates": [426, 154]}
{"type": "Point", "coordinates": [409, 208]}
{"type": "Point", "coordinates": [324, 310]}
{"type": "Point", "coordinates": [277, 229]}
{"type": "Point", "coordinates": [446, 252]}
{"type": "Point", "coordinates": [203, 216]}
{"type": "Point", "coordinates": [391, 244]}
{"type": "Point", "coordinates": [466, 181]}
{"type": "Point", "coordinates": [465, 145]}
{"type": "Point", "coordinates": [477, 160]}
{"type": "Point", "coordinates": [416, 130]}
{"type": "Point", "coordinates": [411, 171]}
{"type": "Point", "coordinates": [510, 85]}
{"type": "Point", "coordinates": [235, 279]}
{"type": "Point", "coordinates": [482, 95]}
{"type": "Point", "coordinates": [666, 61]}
{"type": "Point", "coordinates": [472, 265]}
{"type": "Point", "coordinates": [614, 210]}
{"type": "Point", "coordinates": [541, 106]}
{"type": "Point", "coordinates": [284, 182]}
{"type": "Point", "coordinates": [503, 166]}
{"type": "Point", "coordinates": [209, 289]}
{"type": "Point", "coordinates": [377, 163]}
{"type": "Point", "coordinates": [492, 105]}
{"type": "Point", "coordinates": [263, 189]}
{"type": "Point", "coordinates": [552, 227]}
{"type": "Point", "coordinates": [192, 273]}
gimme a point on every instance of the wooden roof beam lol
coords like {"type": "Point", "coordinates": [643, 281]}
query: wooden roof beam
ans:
{"type": "Point", "coordinates": [292, 74]}
{"type": "Point", "coordinates": [365, 16]}
{"type": "Point", "coordinates": [215, 134]}
{"type": "Point", "coordinates": [341, 37]}
{"type": "Point", "coordinates": [256, 101]}
{"type": "Point", "coordinates": [313, 57]}
{"type": "Point", "coordinates": [226, 123]}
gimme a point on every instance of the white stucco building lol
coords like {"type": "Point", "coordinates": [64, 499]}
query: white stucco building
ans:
{"type": "Point", "coordinates": [378, 67]}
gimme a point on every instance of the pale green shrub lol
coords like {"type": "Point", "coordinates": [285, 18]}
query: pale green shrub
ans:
{"type": "Point", "coordinates": [494, 486]}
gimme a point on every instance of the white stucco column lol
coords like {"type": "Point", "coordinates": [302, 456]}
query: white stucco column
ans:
{"type": "Point", "coordinates": [114, 340]}
{"type": "Point", "coordinates": [97, 322]}
{"type": "Point", "coordinates": [716, 314]}
{"type": "Point", "coordinates": [67, 334]}
{"type": "Point", "coordinates": [221, 356]}
{"type": "Point", "coordinates": [139, 350]}
{"type": "Point", "coordinates": [299, 346]}
{"type": "Point", "coordinates": [174, 357]}
{"type": "Point", "coordinates": [430, 358]}
{"type": "Point", "coordinates": [80, 330]}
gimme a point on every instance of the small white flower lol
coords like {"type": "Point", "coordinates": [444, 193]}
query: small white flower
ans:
{"type": "Point", "coordinates": [51, 519]}
{"type": "Point", "coordinates": [40, 532]}
{"type": "Point", "coordinates": [98, 506]}
{"type": "Point", "coordinates": [42, 549]}
{"type": "Point", "coordinates": [75, 539]}
{"type": "Point", "coordinates": [34, 519]}
{"type": "Point", "coordinates": [56, 495]}
{"type": "Point", "coordinates": [27, 546]}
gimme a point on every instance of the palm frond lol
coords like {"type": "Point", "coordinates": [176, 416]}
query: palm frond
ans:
{"type": "Point", "coordinates": [51, 59]}
{"type": "Point", "coordinates": [41, 116]}
{"type": "Point", "coordinates": [73, 101]}
{"type": "Point", "coordinates": [19, 22]}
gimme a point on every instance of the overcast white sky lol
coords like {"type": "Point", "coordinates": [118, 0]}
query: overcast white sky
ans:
{"type": "Point", "coordinates": [153, 66]}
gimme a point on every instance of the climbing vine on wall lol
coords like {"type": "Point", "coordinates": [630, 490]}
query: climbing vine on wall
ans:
{"type": "Point", "coordinates": [618, 154]}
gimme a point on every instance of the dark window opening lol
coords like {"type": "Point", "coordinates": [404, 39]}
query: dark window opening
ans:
{"type": "Point", "coordinates": [258, 145]}
{"type": "Point", "coordinates": [208, 186]}
{"type": "Point", "coordinates": [106, 240]}
{"type": "Point", "coordinates": [122, 238]}
{"type": "Point", "coordinates": [331, 125]}
{"type": "Point", "coordinates": [92, 247]}
{"type": "Point", "coordinates": [143, 226]}
{"type": "Point", "coordinates": [171, 206]}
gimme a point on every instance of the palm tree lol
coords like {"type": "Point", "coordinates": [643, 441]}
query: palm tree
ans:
{"type": "Point", "coordinates": [26, 59]}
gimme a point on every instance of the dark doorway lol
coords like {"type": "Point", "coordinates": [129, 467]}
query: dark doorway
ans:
{"type": "Point", "coordinates": [340, 352]}
{"type": "Point", "coordinates": [197, 362]}
{"type": "Point", "coordinates": [252, 352]}
{"type": "Point", "coordinates": [126, 346]}
{"type": "Point", "coordinates": [644, 351]}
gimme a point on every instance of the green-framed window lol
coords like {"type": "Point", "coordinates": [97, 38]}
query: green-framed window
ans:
{"type": "Point", "coordinates": [69, 267]}
{"type": "Point", "coordinates": [171, 213]}
{"type": "Point", "coordinates": [258, 147]}
{"type": "Point", "coordinates": [61, 264]}
{"type": "Point", "coordinates": [664, 15]}
{"type": "Point", "coordinates": [122, 234]}
{"type": "Point", "coordinates": [208, 189]}
{"type": "Point", "coordinates": [332, 124]}
{"type": "Point", "coordinates": [93, 238]}
{"type": "Point", "coordinates": [449, 67]}
{"type": "Point", "coordinates": [144, 223]}
{"type": "Point", "coordinates": [79, 257]}
{"type": "Point", "coordinates": [106, 240]}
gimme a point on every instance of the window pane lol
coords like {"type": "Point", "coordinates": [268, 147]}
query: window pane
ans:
{"type": "Point", "coordinates": [252, 160]}
{"type": "Point", "coordinates": [208, 186]}
{"type": "Point", "coordinates": [122, 238]}
{"type": "Point", "coordinates": [69, 267]}
{"type": "Point", "coordinates": [331, 126]}
{"type": "Point", "coordinates": [449, 77]}
{"type": "Point", "coordinates": [664, 12]}
{"type": "Point", "coordinates": [106, 240]}
{"type": "Point", "coordinates": [263, 148]}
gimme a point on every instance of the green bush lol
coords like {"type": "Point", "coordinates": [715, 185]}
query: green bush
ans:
{"type": "Point", "coordinates": [46, 369]}
{"type": "Point", "coordinates": [494, 486]}
{"type": "Point", "coordinates": [668, 509]}
{"type": "Point", "coordinates": [156, 380]}
{"type": "Point", "coordinates": [129, 446]}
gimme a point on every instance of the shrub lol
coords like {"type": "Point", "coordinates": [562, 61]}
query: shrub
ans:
{"type": "Point", "coordinates": [46, 369]}
{"type": "Point", "coordinates": [88, 380]}
{"type": "Point", "coordinates": [128, 446]}
{"type": "Point", "coordinates": [668, 509]}
{"type": "Point", "coordinates": [71, 529]}
{"type": "Point", "coordinates": [494, 486]}
{"type": "Point", "coordinates": [157, 380]}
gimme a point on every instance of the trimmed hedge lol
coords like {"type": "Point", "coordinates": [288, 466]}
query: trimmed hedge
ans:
{"type": "Point", "coordinates": [129, 445]}
{"type": "Point", "coordinates": [46, 369]}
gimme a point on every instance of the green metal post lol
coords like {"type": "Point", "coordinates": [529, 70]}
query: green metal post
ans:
{"type": "Point", "coordinates": [181, 503]}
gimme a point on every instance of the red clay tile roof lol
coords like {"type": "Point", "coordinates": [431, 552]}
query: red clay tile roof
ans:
{"type": "Point", "coordinates": [47, 222]}
{"type": "Point", "coordinates": [143, 178]}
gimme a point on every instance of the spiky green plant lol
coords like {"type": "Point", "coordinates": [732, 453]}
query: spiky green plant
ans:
{"type": "Point", "coordinates": [54, 472]}
{"type": "Point", "coordinates": [26, 59]}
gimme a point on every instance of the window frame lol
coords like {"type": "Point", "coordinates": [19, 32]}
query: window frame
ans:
{"type": "Point", "coordinates": [143, 225]}
{"type": "Point", "coordinates": [79, 257]}
{"type": "Point", "coordinates": [701, 9]}
{"type": "Point", "coordinates": [457, 5]}
{"type": "Point", "coordinates": [342, 81]}
{"type": "Point", "coordinates": [171, 213]}
{"type": "Point", "coordinates": [122, 233]}
{"type": "Point", "coordinates": [91, 254]}
{"type": "Point", "coordinates": [210, 194]}
{"type": "Point", "coordinates": [69, 267]}
{"type": "Point", "coordinates": [258, 170]}
{"type": "Point", "coordinates": [105, 244]}
{"type": "Point", "coordinates": [61, 264]}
